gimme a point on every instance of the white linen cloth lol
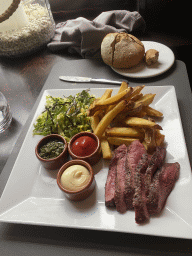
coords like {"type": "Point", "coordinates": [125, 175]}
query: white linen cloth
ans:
{"type": "Point", "coordinates": [85, 36]}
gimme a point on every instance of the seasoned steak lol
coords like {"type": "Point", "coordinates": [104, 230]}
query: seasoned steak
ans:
{"type": "Point", "coordinates": [139, 181]}
{"type": "Point", "coordinates": [120, 182]}
{"type": "Point", "coordinates": [135, 152]}
{"type": "Point", "coordinates": [156, 162]}
{"type": "Point", "coordinates": [139, 199]}
{"type": "Point", "coordinates": [110, 182]}
{"type": "Point", "coordinates": [162, 185]}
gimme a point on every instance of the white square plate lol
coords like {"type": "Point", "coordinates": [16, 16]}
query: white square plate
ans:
{"type": "Point", "coordinates": [31, 195]}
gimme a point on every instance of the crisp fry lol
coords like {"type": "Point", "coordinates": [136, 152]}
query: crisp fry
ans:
{"type": "Point", "coordinates": [147, 99]}
{"type": "Point", "coordinates": [137, 90]}
{"type": "Point", "coordinates": [124, 86]}
{"type": "Point", "coordinates": [106, 150]}
{"type": "Point", "coordinates": [117, 141]}
{"type": "Point", "coordinates": [94, 122]}
{"type": "Point", "coordinates": [153, 138]}
{"type": "Point", "coordinates": [141, 122]}
{"type": "Point", "coordinates": [105, 147]}
{"type": "Point", "coordinates": [141, 114]}
{"type": "Point", "coordinates": [123, 115]}
{"type": "Point", "coordinates": [150, 139]}
{"type": "Point", "coordinates": [137, 108]}
{"type": "Point", "coordinates": [103, 104]}
{"type": "Point", "coordinates": [152, 112]}
{"type": "Point", "coordinates": [124, 132]}
{"type": "Point", "coordinates": [116, 98]}
{"type": "Point", "coordinates": [106, 95]}
{"type": "Point", "coordinates": [129, 107]}
{"type": "Point", "coordinates": [106, 120]}
{"type": "Point", "coordinates": [159, 138]}
{"type": "Point", "coordinates": [137, 97]}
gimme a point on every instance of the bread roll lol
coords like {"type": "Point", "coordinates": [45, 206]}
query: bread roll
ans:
{"type": "Point", "coordinates": [151, 56]}
{"type": "Point", "coordinates": [122, 50]}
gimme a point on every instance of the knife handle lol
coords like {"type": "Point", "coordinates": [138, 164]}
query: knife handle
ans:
{"type": "Point", "coordinates": [105, 81]}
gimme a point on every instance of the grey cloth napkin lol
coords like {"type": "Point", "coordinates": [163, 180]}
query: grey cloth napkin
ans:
{"type": "Point", "coordinates": [84, 36]}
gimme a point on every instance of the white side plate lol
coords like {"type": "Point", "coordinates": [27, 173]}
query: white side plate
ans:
{"type": "Point", "coordinates": [31, 195]}
{"type": "Point", "coordinates": [165, 61]}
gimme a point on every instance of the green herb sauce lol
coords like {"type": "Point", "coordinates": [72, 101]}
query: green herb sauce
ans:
{"type": "Point", "coordinates": [51, 149]}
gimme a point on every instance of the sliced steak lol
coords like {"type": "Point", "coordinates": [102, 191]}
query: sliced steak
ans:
{"type": "Point", "coordinates": [110, 182]}
{"type": "Point", "coordinates": [139, 199]}
{"type": "Point", "coordinates": [162, 185]}
{"type": "Point", "coordinates": [135, 152]}
{"type": "Point", "coordinates": [120, 182]}
{"type": "Point", "coordinates": [156, 162]}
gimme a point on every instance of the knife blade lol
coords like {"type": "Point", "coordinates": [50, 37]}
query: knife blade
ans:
{"type": "Point", "coordinates": [79, 79]}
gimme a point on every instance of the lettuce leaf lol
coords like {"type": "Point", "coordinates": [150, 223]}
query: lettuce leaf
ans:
{"type": "Point", "coordinates": [65, 116]}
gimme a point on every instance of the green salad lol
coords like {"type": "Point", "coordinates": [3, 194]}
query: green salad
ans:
{"type": "Point", "coordinates": [66, 116]}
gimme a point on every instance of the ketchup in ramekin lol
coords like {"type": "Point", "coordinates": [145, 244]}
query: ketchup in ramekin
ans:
{"type": "Point", "coordinates": [85, 146]}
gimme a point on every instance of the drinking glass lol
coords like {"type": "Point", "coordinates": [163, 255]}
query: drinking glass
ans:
{"type": "Point", "coordinates": [5, 113]}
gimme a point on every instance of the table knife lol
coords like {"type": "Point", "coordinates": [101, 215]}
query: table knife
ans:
{"type": "Point", "coordinates": [79, 79]}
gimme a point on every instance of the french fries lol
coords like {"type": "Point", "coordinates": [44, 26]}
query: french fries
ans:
{"type": "Point", "coordinates": [124, 86]}
{"type": "Point", "coordinates": [106, 95]}
{"type": "Point", "coordinates": [105, 147]}
{"type": "Point", "coordinates": [103, 104]}
{"type": "Point", "coordinates": [117, 141]}
{"type": "Point", "coordinates": [152, 112]}
{"type": "Point", "coordinates": [106, 120]}
{"type": "Point", "coordinates": [146, 99]}
{"type": "Point", "coordinates": [123, 132]}
{"type": "Point", "coordinates": [137, 90]}
{"type": "Point", "coordinates": [142, 123]}
{"type": "Point", "coordinates": [94, 122]}
{"type": "Point", "coordinates": [137, 97]}
{"type": "Point", "coordinates": [106, 150]}
{"type": "Point", "coordinates": [125, 117]}
{"type": "Point", "coordinates": [159, 138]}
{"type": "Point", "coordinates": [150, 140]}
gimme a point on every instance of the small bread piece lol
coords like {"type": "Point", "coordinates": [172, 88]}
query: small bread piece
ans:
{"type": "Point", "coordinates": [122, 50]}
{"type": "Point", "coordinates": [151, 56]}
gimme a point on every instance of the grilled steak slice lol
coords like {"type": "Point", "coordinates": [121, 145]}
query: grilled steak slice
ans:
{"type": "Point", "coordinates": [110, 182]}
{"type": "Point", "coordinates": [135, 152]}
{"type": "Point", "coordinates": [156, 162]}
{"type": "Point", "coordinates": [120, 182]}
{"type": "Point", "coordinates": [162, 185]}
{"type": "Point", "coordinates": [139, 199]}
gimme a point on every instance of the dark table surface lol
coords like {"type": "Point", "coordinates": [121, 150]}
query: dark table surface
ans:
{"type": "Point", "coordinates": [21, 81]}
